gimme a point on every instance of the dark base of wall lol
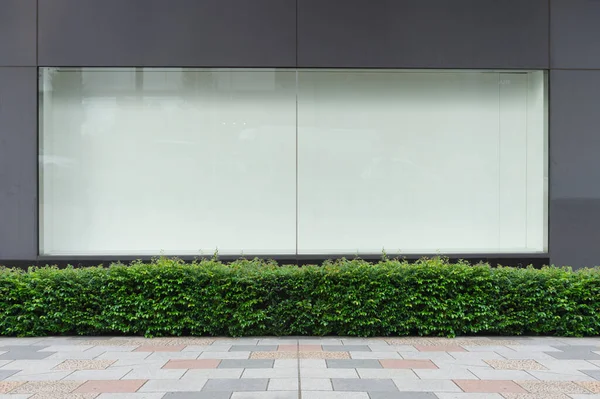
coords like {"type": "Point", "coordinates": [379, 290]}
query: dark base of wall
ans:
{"type": "Point", "coordinates": [494, 260]}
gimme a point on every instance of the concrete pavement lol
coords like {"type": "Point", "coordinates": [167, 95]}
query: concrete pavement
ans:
{"type": "Point", "coordinates": [306, 367]}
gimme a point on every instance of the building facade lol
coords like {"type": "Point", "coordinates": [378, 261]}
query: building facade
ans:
{"type": "Point", "coordinates": [300, 129]}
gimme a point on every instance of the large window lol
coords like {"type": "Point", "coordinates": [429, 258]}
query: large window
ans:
{"type": "Point", "coordinates": [146, 161]}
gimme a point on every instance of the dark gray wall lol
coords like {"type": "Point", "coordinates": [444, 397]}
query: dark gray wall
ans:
{"type": "Point", "coordinates": [575, 168]}
{"type": "Point", "coordinates": [17, 33]}
{"type": "Point", "coordinates": [329, 33]}
{"type": "Point", "coordinates": [575, 32]}
{"type": "Point", "coordinates": [423, 33]}
{"type": "Point", "coordinates": [18, 163]}
{"type": "Point", "coordinates": [167, 33]}
{"type": "Point", "coordinates": [574, 212]}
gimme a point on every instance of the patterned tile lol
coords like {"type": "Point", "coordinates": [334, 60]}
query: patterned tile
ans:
{"type": "Point", "coordinates": [409, 341]}
{"type": "Point", "coordinates": [72, 364]}
{"type": "Point", "coordinates": [8, 386]}
{"type": "Point", "coordinates": [592, 386]}
{"type": "Point", "coordinates": [48, 387]}
{"type": "Point", "coordinates": [535, 396]}
{"type": "Point", "coordinates": [191, 341]}
{"type": "Point", "coordinates": [273, 355]}
{"type": "Point", "coordinates": [543, 387]}
{"type": "Point", "coordinates": [433, 341]}
{"type": "Point", "coordinates": [515, 365]}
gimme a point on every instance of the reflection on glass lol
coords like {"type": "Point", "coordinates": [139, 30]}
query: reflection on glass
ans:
{"type": "Point", "coordinates": [179, 161]}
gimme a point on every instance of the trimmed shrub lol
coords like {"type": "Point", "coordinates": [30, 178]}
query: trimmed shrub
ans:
{"type": "Point", "coordinates": [256, 297]}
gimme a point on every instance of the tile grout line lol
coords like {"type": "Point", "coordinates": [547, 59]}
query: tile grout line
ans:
{"type": "Point", "coordinates": [298, 363]}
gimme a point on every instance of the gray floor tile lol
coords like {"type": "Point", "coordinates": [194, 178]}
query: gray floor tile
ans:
{"type": "Point", "coordinates": [266, 395]}
{"type": "Point", "coordinates": [402, 395]}
{"type": "Point", "coordinates": [253, 348]}
{"type": "Point", "coordinates": [577, 348]}
{"type": "Point", "coordinates": [353, 363]}
{"type": "Point", "coordinates": [360, 385]}
{"type": "Point", "coordinates": [31, 348]}
{"type": "Point", "coordinates": [592, 373]}
{"type": "Point", "coordinates": [246, 363]}
{"type": "Point", "coordinates": [7, 373]}
{"type": "Point", "coordinates": [91, 338]}
{"type": "Point", "coordinates": [231, 385]}
{"type": "Point", "coordinates": [197, 395]}
{"type": "Point", "coordinates": [18, 354]}
{"type": "Point", "coordinates": [346, 348]}
{"type": "Point", "coordinates": [570, 355]}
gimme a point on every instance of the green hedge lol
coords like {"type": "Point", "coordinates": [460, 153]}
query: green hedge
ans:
{"type": "Point", "coordinates": [254, 297]}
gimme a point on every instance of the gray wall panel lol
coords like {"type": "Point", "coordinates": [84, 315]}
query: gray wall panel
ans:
{"type": "Point", "coordinates": [17, 32]}
{"type": "Point", "coordinates": [574, 168]}
{"type": "Point", "coordinates": [575, 34]}
{"type": "Point", "coordinates": [423, 33]}
{"type": "Point", "coordinates": [18, 163]}
{"type": "Point", "coordinates": [167, 33]}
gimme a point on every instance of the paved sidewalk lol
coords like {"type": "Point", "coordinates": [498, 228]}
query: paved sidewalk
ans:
{"type": "Point", "coordinates": [309, 368]}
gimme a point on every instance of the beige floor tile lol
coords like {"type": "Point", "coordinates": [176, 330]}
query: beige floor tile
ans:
{"type": "Point", "coordinates": [544, 387]}
{"type": "Point", "coordinates": [72, 364]}
{"type": "Point", "coordinates": [48, 387]}
{"type": "Point", "coordinates": [515, 365]}
{"type": "Point", "coordinates": [592, 386]}
{"type": "Point", "coordinates": [273, 355]}
{"type": "Point", "coordinates": [324, 355]}
{"type": "Point", "coordinates": [7, 386]}
{"type": "Point", "coordinates": [535, 396]}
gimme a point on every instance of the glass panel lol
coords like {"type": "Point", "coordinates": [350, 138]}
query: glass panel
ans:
{"type": "Point", "coordinates": [421, 161]}
{"type": "Point", "coordinates": [140, 161]}
{"type": "Point", "coordinates": [144, 161]}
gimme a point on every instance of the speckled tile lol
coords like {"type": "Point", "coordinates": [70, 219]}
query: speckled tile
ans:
{"type": "Point", "coordinates": [191, 341]}
{"type": "Point", "coordinates": [48, 387]}
{"type": "Point", "coordinates": [64, 396]}
{"type": "Point", "coordinates": [7, 386]}
{"type": "Point", "coordinates": [592, 386]}
{"type": "Point", "coordinates": [73, 364]}
{"type": "Point", "coordinates": [159, 348]}
{"type": "Point", "coordinates": [408, 341]}
{"type": "Point", "coordinates": [324, 355]}
{"type": "Point", "coordinates": [535, 396]}
{"type": "Point", "coordinates": [544, 387]}
{"type": "Point", "coordinates": [515, 365]}
{"type": "Point", "coordinates": [435, 341]}
{"type": "Point", "coordinates": [273, 355]}
{"type": "Point", "coordinates": [462, 341]}
{"type": "Point", "coordinates": [112, 342]}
